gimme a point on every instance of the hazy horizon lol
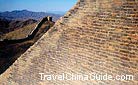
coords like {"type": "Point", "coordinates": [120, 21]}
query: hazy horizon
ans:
{"type": "Point", "coordinates": [53, 12]}
{"type": "Point", "coordinates": [52, 6]}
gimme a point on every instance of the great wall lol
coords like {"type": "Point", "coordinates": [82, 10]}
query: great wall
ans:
{"type": "Point", "coordinates": [95, 36]}
{"type": "Point", "coordinates": [32, 33]}
{"type": "Point", "coordinates": [11, 48]}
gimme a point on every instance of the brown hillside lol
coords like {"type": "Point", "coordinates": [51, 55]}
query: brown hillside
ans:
{"type": "Point", "coordinates": [96, 36]}
{"type": "Point", "coordinates": [9, 52]}
{"type": "Point", "coordinates": [7, 26]}
{"type": "Point", "coordinates": [20, 33]}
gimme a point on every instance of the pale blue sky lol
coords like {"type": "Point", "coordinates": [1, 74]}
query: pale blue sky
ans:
{"type": "Point", "coordinates": [37, 5]}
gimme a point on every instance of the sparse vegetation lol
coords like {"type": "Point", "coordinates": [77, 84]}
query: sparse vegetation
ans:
{"type": "Point", "coordinates": [21, 33]}
{"type": "Point", "coordinates": [10, 52]}
{"type": "Point", "coordinates": [7, 26]}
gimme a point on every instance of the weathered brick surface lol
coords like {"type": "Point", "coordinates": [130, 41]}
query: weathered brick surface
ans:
{"type": "Point", "coordinates": [98, 36]}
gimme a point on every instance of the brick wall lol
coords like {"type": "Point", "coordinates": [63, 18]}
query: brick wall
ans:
{"type": "Point", "coordinates": [99, 36]}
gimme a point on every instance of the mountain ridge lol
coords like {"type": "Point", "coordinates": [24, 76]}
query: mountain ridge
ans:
{"type": "Point", "coordinates": [25, 14]}
{"type": "Point", "coordinates": [7, 26]}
